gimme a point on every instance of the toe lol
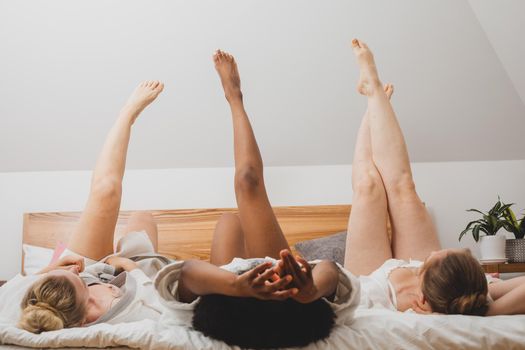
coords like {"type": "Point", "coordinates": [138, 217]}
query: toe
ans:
{"type": "Point", "coordinates": [154, 84]}
{"type": "Point", "coordinates": [355, 43]}
{"type": "Point", "coordinates": [160, 87]}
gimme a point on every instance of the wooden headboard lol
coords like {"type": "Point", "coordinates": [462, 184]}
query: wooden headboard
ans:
{"type": "Point", "coordinates": [187, 233]}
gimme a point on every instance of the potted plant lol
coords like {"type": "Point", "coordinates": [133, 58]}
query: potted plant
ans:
{"type": "Point", "coordinates": [492, 246]}
{"type": "Point", "coordinates": [515, 248]}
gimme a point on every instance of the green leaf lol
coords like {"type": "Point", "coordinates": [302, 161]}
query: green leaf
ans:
{"type": "Point", "coordinates": [493, 223]}
{"type": "Point", "coordinates": [477, 211]}
{"type": "Point", "coordinates": [510, 228]}
{"type": "Point", "coordinates": [463, 233]}
{"type": "Point", "coordinates": [471, 223]}
{"type": "Point", "coordinates": [487, 232]}
{"type": "Point", "coordinates": [475, 233]}
{"type": "Point", "coordinates": [495, 208]}
{"type": "Point", "coordinates": [521, 229]}
{"type": "Point", "coordinates": [511, 217]}
{"type": "Point", "coordinates": [505, 208]}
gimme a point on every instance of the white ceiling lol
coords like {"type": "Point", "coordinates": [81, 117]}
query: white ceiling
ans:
{"type": "Point", "coordinates": [504, 24]}
{"type": "Point", "coordinates": [66, 67]}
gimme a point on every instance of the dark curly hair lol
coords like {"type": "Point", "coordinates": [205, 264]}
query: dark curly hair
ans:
{"type": "Point", "coordinates": [263, 324]}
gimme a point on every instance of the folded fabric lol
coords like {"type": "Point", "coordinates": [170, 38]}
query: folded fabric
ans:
{"type": "Point", "coordinates": [327, 248]}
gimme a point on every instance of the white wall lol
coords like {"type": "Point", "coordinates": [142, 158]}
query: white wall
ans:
{"type": "Point", "coordinates": [447, 188]}
{"type": "Point", "coordinates": [66, 67]}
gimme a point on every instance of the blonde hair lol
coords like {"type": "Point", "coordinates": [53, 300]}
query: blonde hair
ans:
{"type": "Point", "coordinates": [51, 304]}
{"type": "Point", "coordinates": [456, 284]}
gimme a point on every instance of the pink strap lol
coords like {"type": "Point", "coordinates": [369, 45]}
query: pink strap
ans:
{"type": "Point", "coordinates": [59, 249]}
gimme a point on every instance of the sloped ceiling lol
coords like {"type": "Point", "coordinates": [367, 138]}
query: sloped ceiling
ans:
{"type": "Point", "coordinates": [504, 24]}
{"type": "Point", "coordinates": [66, 67]}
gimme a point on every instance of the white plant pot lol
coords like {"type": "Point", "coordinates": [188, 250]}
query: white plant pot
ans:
{"type": "Point", "coordinates": [492, 247]}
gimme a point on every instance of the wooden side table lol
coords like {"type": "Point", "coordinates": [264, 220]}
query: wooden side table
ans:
{"type": "Point", "coordinates": [504, 268]}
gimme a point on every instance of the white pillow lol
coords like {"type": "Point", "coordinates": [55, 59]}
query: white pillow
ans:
{"type": "Point", "coordinates": [36, 258]}
{"type": "Point", "coordinates": [12, 294]}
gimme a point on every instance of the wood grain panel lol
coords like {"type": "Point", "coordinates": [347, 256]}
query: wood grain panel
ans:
{"type": "Point", "coordinates": [187, 233]}
{"type": "Point", "coordinates": [504, 268]}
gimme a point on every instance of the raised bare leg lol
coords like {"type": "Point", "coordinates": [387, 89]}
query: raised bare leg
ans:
{"type": "Point", "coordinates": [262, 233]}
{"type": "Point", "coordinates": [141, 221]}
{"type": "Point", "coordinates": [93, 237]}
{"type": "Point", "coordinates": [367, 242]}
{"type": "Point", "coordinates": [414, 234]}
{"type": "Point", "coordinates": [228, 240]}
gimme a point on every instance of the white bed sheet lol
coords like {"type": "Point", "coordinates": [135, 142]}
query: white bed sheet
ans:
{"type": "Point", "coordinates": [371, 329]}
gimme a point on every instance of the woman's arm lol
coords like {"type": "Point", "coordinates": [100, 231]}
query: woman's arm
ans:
{"type": "Point", "coordinates": [202, 278]}
{"type": "Point", "coordinates": [68, 262]}
{"type": "Point", "coordinates": [121, 264]}
{"type": "Point", "coordinates": [326, 277]}
{"type": "Point", "coordinates": [312, 284]}
{"type": "Point", "coordinates": [93, 237]}
{"type": "Point", "coordinates": [509, 297]}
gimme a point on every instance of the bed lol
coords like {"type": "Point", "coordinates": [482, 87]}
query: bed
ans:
{"type": "Point", "coordinates": [187, 234]}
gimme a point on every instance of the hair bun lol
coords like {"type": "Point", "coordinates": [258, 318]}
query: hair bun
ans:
{"type": "Point", "coordinates": [470, 304]}
{"type": "Point", "coordinates": [40, 317]}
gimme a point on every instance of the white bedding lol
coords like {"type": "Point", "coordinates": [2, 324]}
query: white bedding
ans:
{"type": "Point", "coordinates": [371, 329]}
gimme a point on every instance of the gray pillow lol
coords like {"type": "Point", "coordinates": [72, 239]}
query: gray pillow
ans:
{"type": "Point", "coordinates": [327, 248]}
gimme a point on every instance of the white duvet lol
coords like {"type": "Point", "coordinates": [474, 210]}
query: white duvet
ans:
{"type": "Point", "coordinates": [371, 329]}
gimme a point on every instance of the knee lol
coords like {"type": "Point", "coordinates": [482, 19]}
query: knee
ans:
{"type": "Point", "coordinates": [370, 185]}
{"type": "Point", "coordinates": [228, 218]}
{"type": "Point", "coordinates": [404, 188]}
{"type": "Point", "coordinates": [248, 179]}
{"type": "Point", "coordinates": [141, 216]}
{"type": "Point", "coordinates": [107, 189]}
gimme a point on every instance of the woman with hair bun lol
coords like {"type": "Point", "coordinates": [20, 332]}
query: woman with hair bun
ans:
{"type": "Point", "coordinates": [448, 281]}
{"type": "Point", "coordinates": [91, 283]}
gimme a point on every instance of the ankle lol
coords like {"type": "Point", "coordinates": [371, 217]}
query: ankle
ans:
{"type": "Point", "coordinates": [370, 87]}
{"type": "Point", "coordinates": [234, 98]}
{"type": "Point", "coordinates": [129, 114]}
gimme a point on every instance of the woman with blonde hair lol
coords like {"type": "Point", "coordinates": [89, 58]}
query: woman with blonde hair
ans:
{"type": "Point", "coordinates": [410, 271]}
{"type": "Point", "coordinates": [77, 291]}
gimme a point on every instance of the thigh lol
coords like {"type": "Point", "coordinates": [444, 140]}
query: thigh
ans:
{"type": "Point", "coordinates": [141, 221]}
{"type": "Point", "coordinates": [228, 240]}
{"type": "Point", "coordinates": [262, 233]}
{"type": "Point", "coordinates": [94, 235]}
{"type": "Point", "coordinates": [414, 234]}
{"type": "Point", "coordinates": [367, 243]}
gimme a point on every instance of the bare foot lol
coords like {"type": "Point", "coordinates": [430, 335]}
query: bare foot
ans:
{"type": "Point", "coordinates": [144, 94]}
{"type": "Point", "coordinates": [227, 68]}
{"type": "Point", "coordinates": [389, 90]}
{"type": "Point", "coordinates": [368, 79]}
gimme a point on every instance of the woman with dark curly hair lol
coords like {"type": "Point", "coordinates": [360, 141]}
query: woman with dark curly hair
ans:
{"type": "Point", "coordinates": [255, 293]}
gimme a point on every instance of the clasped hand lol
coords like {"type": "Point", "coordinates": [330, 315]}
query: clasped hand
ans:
{"type": "Point", "coordinates": [290, 278]}
{"type": "Point", "coordinates": [73, 263]}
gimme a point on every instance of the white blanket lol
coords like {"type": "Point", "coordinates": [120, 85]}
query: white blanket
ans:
{"type": "Point", "coordinates": [371, 329]}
